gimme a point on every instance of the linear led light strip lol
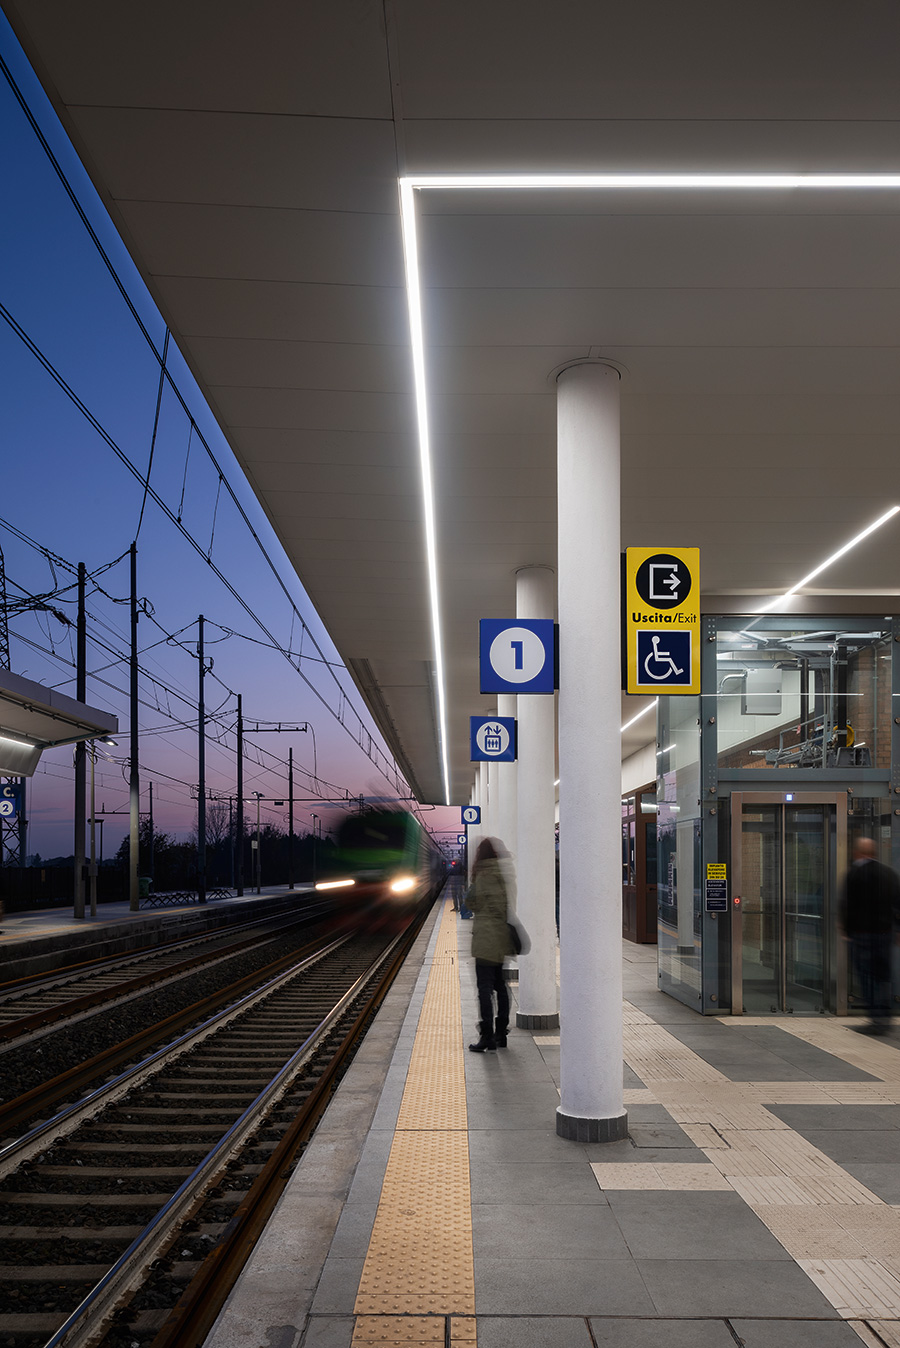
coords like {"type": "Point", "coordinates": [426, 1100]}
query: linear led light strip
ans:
{"type": "Point", "coordinates": [654, 182]}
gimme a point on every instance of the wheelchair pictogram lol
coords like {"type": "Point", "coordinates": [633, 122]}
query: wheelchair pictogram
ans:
{"type": "Point", "coordinates": [663, 666]}
{"type": "Point", "coordinates": [664, 658]}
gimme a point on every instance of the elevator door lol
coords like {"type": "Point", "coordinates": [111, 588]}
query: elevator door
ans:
{"type": "Point", "coordinates": [788, 857]}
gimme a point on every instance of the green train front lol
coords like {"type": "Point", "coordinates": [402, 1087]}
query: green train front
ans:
{"type": "Point", "coordinates": [383, 866]}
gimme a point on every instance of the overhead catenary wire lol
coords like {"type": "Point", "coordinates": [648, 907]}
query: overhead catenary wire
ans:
{"type": "Point", "coordinates": [386, 767]}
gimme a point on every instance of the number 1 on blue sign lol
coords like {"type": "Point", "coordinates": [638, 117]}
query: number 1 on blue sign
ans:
{"type": "Point", "coordinates": [518, 647]}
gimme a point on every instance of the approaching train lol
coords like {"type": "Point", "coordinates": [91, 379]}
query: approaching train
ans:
{"type": "Point", "coordinates": [384, 865]}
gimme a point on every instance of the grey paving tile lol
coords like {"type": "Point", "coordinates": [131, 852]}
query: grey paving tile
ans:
{"type": "Point", "coordinates": [795, 1334]}
{"type": "Point", "coordinates": [808, 1118]}
{"type": "Point", "coordinates": [354, 1231]}
{"type": "Point", "coordinates": [883, 1179]}
{"type": "Point", "coordinates": [691, 1225]}
{"type": "Point", "coordinates": [546, 1231]}
{"type": "Point", "coordinates": [559, 1287]}
{"type": "Point", "coordinates": [525, 1144]}
{"type": "Point", "coordinates": [520, 1331]}
{"type": "Point", "coordinates": [336, 1292]}
{"type": "Point", "coordinates": [768, 1288]}
{"type": "Point", "coordinates": [514, 1116]}
{"type": "Point", "coordinates": [657, 1135]}
{"type": "Point", "coordinates": [537, 1182]}
{"type": "Point", "coordinates": [630, 1078]}
{"type": "Point", "coordinates": [661, 1334]}
{"type": "Point", "coordinates": [328, 1331]}
{"type": "Point", "coordinates": [851, 1147]}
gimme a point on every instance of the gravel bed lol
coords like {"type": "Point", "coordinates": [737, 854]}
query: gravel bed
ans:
{"type": "Point", "coordinates": [33, 1064]}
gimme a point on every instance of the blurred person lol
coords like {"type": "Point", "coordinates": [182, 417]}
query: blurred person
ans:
{"type": "Point", "coordinates": [491, 897]}
{"type": "Point", "coordinates": [869, 914]}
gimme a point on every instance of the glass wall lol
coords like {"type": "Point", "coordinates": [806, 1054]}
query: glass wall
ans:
{"type": "Point", "coordinates": [795, 693]}
{"type": "Point", "coordinates": [678, 848]}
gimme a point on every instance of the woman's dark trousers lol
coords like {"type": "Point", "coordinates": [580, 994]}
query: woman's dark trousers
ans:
{"type": "Point", "coordinates": [490, 979]}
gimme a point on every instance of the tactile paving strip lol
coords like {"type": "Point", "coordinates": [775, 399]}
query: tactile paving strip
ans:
{"type": "Point", "coordinates": [418, 1280]}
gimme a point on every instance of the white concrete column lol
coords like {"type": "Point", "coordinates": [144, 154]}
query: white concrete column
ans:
{"type": "Point", "coordinates": [591, 1105]}
{"type": "Point", "coordinates": [506, 775]}
{"type": "Point", "coordinates": [536, 866]}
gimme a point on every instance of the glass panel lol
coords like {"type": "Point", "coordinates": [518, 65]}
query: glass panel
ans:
{"type": "Point", "coordinates": [678, 847]}
{"type": "Point", "coordinates": [808, 871]}
{"type": "Point", "coordinates": [761, 907]}
{"type": "Point", "coordinates": [799, 693]}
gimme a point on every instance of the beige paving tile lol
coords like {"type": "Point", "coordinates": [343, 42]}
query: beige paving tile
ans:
{"type": "Point", "coordinates": [857, 1288]}
{"type": "Point", "coordinates": [810, 1232]}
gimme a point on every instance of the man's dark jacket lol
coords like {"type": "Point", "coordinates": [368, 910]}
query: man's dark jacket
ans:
{"type": "Point", "coordinates": [871, 899]}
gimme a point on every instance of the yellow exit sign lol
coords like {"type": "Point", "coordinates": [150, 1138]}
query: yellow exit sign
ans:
{"type": "Point", "coordinates": [661, 620]}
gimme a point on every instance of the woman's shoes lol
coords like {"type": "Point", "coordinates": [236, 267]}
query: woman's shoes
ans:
{"type": "Point", "coordinates": [486, 1039]}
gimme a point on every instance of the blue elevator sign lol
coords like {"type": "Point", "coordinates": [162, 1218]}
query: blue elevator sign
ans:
{"type": "Point", "coordinates": [518, 655]}
{"type": "Point", "coordinates": [493, 739]}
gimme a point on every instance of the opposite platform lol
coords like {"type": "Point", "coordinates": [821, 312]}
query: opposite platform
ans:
{"type": "Point", "coordinates": [754, 1202]}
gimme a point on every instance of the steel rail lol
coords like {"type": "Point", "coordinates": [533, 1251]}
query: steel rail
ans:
{"type": "Point", "coordinates": [199, 1305]}
{"type": "Point", "coordinates": [46, 1096]}
{"type": "Point", "coordinates": [84, 1324]}
{"type": "Point", "coordinates": [89, 1001]}
{"type": "Point", "coordinates": [35, 982]}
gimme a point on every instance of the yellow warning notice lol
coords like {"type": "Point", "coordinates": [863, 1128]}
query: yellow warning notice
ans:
{"type": "Point", "coordinates": [716, 870]}
{"type": "Point", "coordinates": [661, 620]}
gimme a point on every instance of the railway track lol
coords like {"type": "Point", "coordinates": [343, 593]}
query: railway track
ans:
{"type": "Point", "coordinates": [113, 1208]}
{"type": "Point", "coordinates": [31, 1003]}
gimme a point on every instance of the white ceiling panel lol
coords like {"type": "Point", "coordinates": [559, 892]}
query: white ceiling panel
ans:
{"type": "Point", "coordinates": [252, 166]}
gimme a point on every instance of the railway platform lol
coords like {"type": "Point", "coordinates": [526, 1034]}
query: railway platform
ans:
{"type": "Point", "coordinates": [755, 1202]}
{"type": "Point", "coordinates": [36, 941]}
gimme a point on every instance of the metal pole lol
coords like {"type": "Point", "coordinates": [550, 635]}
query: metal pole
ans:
{"type": "Point", "coordinates": [258, 866]}
{"type": "Point", "coordinates": [134, 784]}
{"type": "Point", "coordinates": [315, 818]}
{"type": "Point", "coordinates": [231, 835]}
{"type": "Point", "coordinates": [201, 768]}
{"type": "Point", "coordinates": [239, 822]}
{"type": "Point", "coordinates": [151, 866]}
{"type": "Point", "coordinates": [80, 765]}
{"type": "Point", "coordinates": [93, 867]}
{"type": "Point", "coordinates": [290, 819]}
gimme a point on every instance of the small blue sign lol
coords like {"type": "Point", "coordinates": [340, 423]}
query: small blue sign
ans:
{"type": "Point", "coordinates": [518, 655]}
{"type": "Point", "coordinates": [471, 814]}
{"type": "Point", "coordinates": [461, 839]}
{"type": "Point", "coordinates": [663, 658]}
{"type": "Point", "coordinates": [493, 739]}
{"type": "Point", "coordinates": [10, 799]}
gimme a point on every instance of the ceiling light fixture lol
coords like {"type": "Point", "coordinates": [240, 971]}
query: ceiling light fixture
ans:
{"type": "Point", "coordinates": [653, 182]}
{"type": "Point", "coordinates": [870, 529]}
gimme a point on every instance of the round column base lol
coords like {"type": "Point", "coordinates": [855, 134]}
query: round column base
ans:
{"type": "Point", "coordinates": [575, 1129]}
{"type": "Point", "coordinates": [537, 1022]}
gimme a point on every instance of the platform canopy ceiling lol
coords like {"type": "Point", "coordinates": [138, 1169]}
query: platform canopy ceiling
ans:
{"type": "Point", "coordinates": [250, 155]}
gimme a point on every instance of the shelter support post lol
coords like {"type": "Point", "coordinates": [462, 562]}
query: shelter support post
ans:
{"type": "Point", "coordinates": [591, 1105]}
{"type": "Point", "coordinates": [536, 810]}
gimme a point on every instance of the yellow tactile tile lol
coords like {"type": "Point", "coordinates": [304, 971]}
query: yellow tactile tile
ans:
{"type": "Point", "coordinates": [419, 1269]}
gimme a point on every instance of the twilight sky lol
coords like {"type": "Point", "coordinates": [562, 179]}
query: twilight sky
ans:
{"type": "Point", "coordinates": [65, 489]}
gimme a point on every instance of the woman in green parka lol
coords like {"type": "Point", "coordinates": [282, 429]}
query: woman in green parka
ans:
{"type": "Point", "coordinates": [489, 898]}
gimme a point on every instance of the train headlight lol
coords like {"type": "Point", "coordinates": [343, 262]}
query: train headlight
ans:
{"type": "Point", "coordinates": [334, 884]}
{"type": "Point", "coordinates": [403, 884]}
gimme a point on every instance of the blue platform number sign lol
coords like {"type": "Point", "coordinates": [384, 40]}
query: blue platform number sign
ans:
{"type": "Point", "coordinates": [9, 801]}
{"type": "Point", "coordinates": [493, 739]}
{"type": "Point", "coordinates": [471, 814]}
{"type": "Point", "coordinates": [461, 839]}
{"type": "Point", "coordinates": [518, 655]}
